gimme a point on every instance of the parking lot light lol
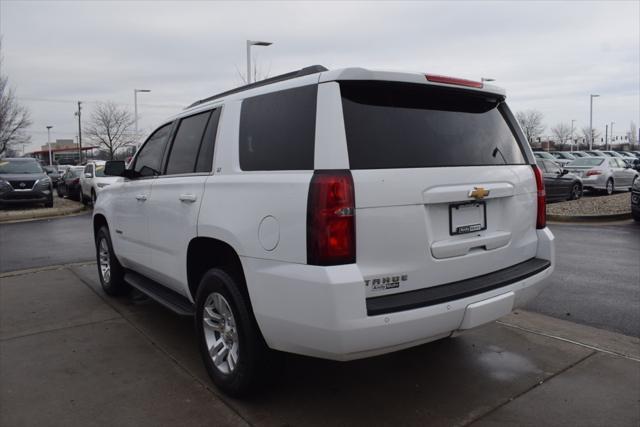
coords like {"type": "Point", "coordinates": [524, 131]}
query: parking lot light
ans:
{"type": "Point", "coordinates": [49, 144]}
{"type": "Point", "coordinates": [249, 44]}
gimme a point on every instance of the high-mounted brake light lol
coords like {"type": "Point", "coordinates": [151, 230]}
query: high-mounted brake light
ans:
{"type": "Point", "coordinates": [453, 81]}
{"type": "Point", "coordinates": [541, 217]}
{"type": "Point", "coordinates": [331, 230]}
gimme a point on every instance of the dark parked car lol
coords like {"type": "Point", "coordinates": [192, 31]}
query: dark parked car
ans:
{"type": "Point", "coordinates": [69, 185]}
{"type": "Point", "coordinates": [559, 184]}
{"type": "Point", "coordinates": [24, 181]}
{"type": "Point", "coordinates": [54, 174]}
{"type": "Point", "coordinates": [635, 200]}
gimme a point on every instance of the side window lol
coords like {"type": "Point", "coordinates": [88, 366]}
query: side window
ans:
{"type": "Point", "coordinates": [149, 159]}
{"type": "Point", "coordinates": [87, 169]}
{"type": "Point", "coordinates": [621, 163]}
{"type": "Point", "coordinates": [205, 157]}
{"type": "Point", "coordinates": [277, 130]}
{"type": "Point", "coordinates": [541, 165]}
{"type": "Point", "coordinates": [552, 167]}
{"type": "Point", "coordinates": [186, 144]}
{"type": "Point", "coordinates": [613, 163]}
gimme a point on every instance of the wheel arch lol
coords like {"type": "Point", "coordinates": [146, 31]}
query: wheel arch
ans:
{"type": "Point", "coordinates": [99, 220]}
{"type": "Point", "coordinates": [205, 253]}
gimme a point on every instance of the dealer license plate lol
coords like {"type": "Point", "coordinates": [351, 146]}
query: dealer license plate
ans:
{"type": "Point", "coordinates": [467, 217]}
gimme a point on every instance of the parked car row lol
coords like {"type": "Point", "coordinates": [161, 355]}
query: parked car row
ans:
{"type": "Point", "coordinates": [632, 158]}
{"type": "Point", "coordinates": [84, 183]}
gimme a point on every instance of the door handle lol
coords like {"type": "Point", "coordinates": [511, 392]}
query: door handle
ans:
{"type": "Point", "coordinates": [189, 198]}
{"type": "Point", "coordinates": [141, 197]}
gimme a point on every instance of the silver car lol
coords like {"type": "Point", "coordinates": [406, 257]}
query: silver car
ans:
{"type": "Point", "coordinates": [603, 173]}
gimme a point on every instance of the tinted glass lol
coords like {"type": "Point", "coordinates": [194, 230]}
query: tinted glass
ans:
{"type": "Point", "coordinates": [149, 160]}
{"type": "Point", "coordinates": [205, 157]}
{"type": "Point", "coordinates": [87, 169]}
{"type": "Point", "coordinates": [541, 165]}
{"type": "Point", "coordinates": [400, 125]}
{"type": "Point", "coordinates": [277, 130]}
{"type": "Point", "coordinates": [186, 144]}
{"type": "Point", "coordinates": [587, 161]}
{"type": "Point", "coordinates": [19, 166]}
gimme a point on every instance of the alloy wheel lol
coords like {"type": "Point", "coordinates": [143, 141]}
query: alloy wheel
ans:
{"type": "Point", "coordinates": [220, 333]}
{"type": "Point", "coordinates": [105, 263]}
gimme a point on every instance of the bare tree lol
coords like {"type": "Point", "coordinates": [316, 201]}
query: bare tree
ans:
{"type": "Point", "coordinates": [531, 124]}
{"type": "Point", "coordinates": [14, 118]}
{"type": "Point", "coordinates": [595, 135]}
{"type": "Point", "coordinates": [562, 132]}
{"type": "Point", "coordinates": [110, 127]}
{"type": "Point", "coordinates": [257, 73]}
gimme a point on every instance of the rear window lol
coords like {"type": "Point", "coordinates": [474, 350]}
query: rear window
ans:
{"type": "Point", "coordinates": [400, 125]}
{"type": "Point", "coordinates": [277, 130]}
{"type": "Point", "coordinates": [587, 161]}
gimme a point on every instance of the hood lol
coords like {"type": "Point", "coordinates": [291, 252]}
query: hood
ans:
{"type": "Point", "coordinates": [22, 176]}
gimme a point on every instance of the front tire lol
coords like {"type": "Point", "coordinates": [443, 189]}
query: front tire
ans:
{"type": "Point", "coordinates": [232, 348]}
{"type": "Point", "coordinates": [110, 271]}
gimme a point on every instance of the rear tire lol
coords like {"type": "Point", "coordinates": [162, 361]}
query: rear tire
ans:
{"type": "Point", "coordinates": [609, 187]}
{"type": "Point", "coordinates": [110, 271]}
{"type": "Point", "coordinates": [576, 192]}
{"type": "Point", "coordinates": [49, 203]}
{"type": "Point", "coordinates": [231, 345]}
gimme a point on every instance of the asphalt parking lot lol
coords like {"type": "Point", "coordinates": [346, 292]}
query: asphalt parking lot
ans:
{"type": "Point", "coordinates": [71, 356]}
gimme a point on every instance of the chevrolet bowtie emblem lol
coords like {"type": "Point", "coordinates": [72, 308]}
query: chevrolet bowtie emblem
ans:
{"type": "Point", "coordinates": [478, 193]}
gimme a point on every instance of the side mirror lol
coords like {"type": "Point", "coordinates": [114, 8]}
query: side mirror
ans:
{"type": "Point", "coordinates": [88, 175]}
{"type": "Point", "coordinates": [114, 168]}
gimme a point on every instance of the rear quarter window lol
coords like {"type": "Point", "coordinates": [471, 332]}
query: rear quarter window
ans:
{"type": "Point", "coordinates": [402, 125]}
{"type": "Point", "coordinates": [277, 130]}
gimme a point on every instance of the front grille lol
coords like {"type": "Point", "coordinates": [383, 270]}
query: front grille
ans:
{"type": "Point", "coordinates": [14, 195]}
{"type": "Point", "coordinates": [22, 184]}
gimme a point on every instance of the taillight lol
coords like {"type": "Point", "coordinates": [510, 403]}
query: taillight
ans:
{"type": "Point", "coordinates": [541, 217]}
{"type": "Point", "coordinates": [331, 229]}
{"type": "Point", "coordinates": [594, 172]}
{"type": "Point", "coordinates": [453, 81]}
{"type": "Point", "coordinates": [76, 181]}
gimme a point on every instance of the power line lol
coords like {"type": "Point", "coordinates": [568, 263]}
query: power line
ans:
{"type": "Point", "coordinates": [69, 101]}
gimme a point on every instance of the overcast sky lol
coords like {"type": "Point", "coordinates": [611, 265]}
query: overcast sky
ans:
{"type": "Point", "coordinates": [549, 56]}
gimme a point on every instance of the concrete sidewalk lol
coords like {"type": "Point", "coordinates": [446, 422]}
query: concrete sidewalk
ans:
{"type": "Point", "coordinates": [70, 356]}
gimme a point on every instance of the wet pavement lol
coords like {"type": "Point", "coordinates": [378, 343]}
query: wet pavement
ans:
{"type": "Point", "coordinates": [72, 356]}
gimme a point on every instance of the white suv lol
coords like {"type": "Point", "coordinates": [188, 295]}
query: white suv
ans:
{"type": "Point", "coordinates": [336, 214]}
{"type": "Point", "coordinates": [93, 180]}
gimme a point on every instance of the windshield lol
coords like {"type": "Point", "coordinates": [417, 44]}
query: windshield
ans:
{"type": "Point", "coordinates": [401, 125]}
{"type": "Point", "coordinates": [100, 171]}
{"type": "Point", "coordinates": [19, 167]}
{"type": "Point", "coordinates": [587, 161]}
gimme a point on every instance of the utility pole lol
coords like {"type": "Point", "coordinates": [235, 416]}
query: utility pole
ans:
{"type": "Point", "coordinates": [49, 144]}
{"type": "Point", "coordinates": [612, 123]}
{"type": "Point", "coordinates": [79, 132]}
{"type": "Point", "coordinates": [591, 120]}
{"type": "Point", "coordinates": [572, 122]}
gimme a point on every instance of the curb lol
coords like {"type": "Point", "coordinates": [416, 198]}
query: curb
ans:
{"type": "Point", "coordinates": [589, 218]}
{"type": "Point", "coordinates": [36, 216]}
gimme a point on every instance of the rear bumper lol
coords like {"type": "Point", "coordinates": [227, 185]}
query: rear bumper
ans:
{"type": "Point", "coordinates": [595, 182]}
{"type": "Point", "coordinates": [322, 311]}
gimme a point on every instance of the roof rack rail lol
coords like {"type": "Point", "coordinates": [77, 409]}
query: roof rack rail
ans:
{"type": "Point", "coordinates": [313, 69]}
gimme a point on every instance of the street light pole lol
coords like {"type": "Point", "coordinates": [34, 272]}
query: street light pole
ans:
{"type": "Point", "coordinates": [135, 108]}
{"type": "Point", "coordinates": [249, 44]}
{"type": "Point", "coordinates": [49, 144]}
{"type": "Point", "coordinates": [591, 120]}
{"type": "Point", "coordinates": [572, 122]}
{"type": "Point", "coordinates": [78, 114]}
